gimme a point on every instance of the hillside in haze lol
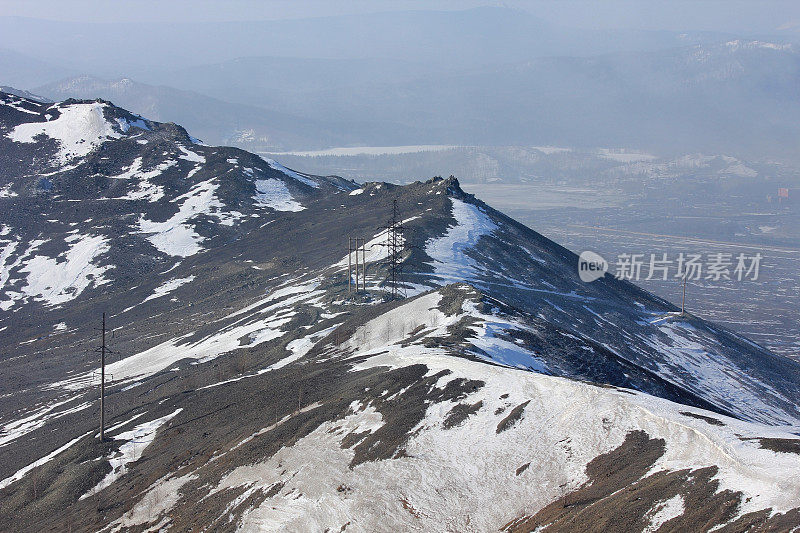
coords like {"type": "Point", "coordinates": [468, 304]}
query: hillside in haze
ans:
{"type": "Point", "coordinates": [486, 76]}
{"type": "Point", "coordinates": [215, 121]}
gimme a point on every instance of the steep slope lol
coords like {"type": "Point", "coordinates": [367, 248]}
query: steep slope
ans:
{"type": "Point", "coordinates": [246, 377]}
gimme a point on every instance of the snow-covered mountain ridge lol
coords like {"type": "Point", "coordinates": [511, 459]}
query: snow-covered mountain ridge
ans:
{"type": "Point", "coordinates": [500, 393]}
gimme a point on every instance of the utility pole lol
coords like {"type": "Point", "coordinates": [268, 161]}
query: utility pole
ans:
{"type": "Point", "coordinates": [349, 264]}
{"type": "Point", "coordinates": [356, 244]}
{"type": "Point", "coordinates": [103, 383]}
{"type": "Point", "coordinates": [363, 264]}
{"type": "Point", "coordinates": [683, 300]}
{"type": "Point", "coordinates": [103, 350]}
{"type": "Point", "coordinates": [356, 264]}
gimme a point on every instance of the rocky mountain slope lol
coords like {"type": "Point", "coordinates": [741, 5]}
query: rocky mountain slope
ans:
{"type": "Point", "coordinates": [500, 392]}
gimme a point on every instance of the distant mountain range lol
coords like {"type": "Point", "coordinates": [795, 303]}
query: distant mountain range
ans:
{"type": "Point", "coordinates": [486, 76]}
{"type": "Point", "coordinates": [25, 72]}
{"type": "Point", "coordinates": [213, 120]}
{"type": "Point", "coordinates": [459, 38]}
{"type": "Point", "coordinates": [735, 97]}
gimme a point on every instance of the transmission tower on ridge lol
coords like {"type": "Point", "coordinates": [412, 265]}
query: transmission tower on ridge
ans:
{"type": "Point", "coordinates": [394, 249]}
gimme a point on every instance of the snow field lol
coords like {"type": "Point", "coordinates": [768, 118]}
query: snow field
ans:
{"type": "Point", "coordinates": [168, 286]}
{"type": "Point", "coordinates": [177, 238]}
{"type": "Point", "coordinates": [79, 129]}
{"type": "Point", "coordinates": [273, 193]}
{"type": "Point", "coordinates": [61, 279]}
{"type": "Point", "coordinates": [136, 441]}
{"type": "Point", "coordinates": [450, 261]}
{"type": "Point", "coordinates": [259, 322]}
{"type": "Point", "coordinates": [291, 173]}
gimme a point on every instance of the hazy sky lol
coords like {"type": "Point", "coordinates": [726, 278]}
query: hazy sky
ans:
{"type": "Point", "coordinates": [718, 15]}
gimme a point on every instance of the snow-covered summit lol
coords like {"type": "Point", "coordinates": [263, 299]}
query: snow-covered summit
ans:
{"type": "Point", "coordinates": [130, 184]}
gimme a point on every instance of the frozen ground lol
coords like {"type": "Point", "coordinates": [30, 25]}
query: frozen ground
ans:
{"type": "Point", "coordinates": [453, 475]}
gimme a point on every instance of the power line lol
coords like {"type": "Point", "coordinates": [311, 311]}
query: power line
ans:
{"type": "Point", "coordinates": [394, 257]}
{"type": "Point", "coordinates": [394, 252]}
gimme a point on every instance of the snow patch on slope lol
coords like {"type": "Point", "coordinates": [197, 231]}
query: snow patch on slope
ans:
{"type": "Point", "coordinates": [145, 189]}
{"type": "Point", "coordinates": [423, 316]}
{"type": "Point", "coordinates": [5, 252]}
{"type": "Point", "coordinates": [450, 260]}
{"type": "Point", "coordinates": [291, 173]}
{"type": "Point", "coordinates": [274, 193]}
{"type": "Point", "coordinates": [19, 474]}
{"type": "Point", "coordinates": [79, 129]}
{"type": "Point", "coordinates": [665, 511]}
{"type": "Point", "coordinates": [5, 271]}
{"type": "Point", "coordinates": [490, 330]}
{"type": "Point", "coordinates": [160, 498]}
{"type": "Point", "coordinates": [258, 324]}
{"type": "Point", "coordinates": [394, 326]}
{"type": "Point", "coordinates": [6, 192]}
{"type": "Point", "coordinates": [55, 281]}
{"type": "Point", "coordinates": [177, 238]}
{"type": "Point", "coordinates": [136, 442]}
{"type": "Point", "coordinates": [35, 419]}
{"type": "Point", "coordinates": [288, 509]}
{"type": "Point", "coordinates": [125, 124]}
{"type": "Point", "coordinates": [545, 436]}
{"type": "Point", "coordinates": [15, 102]}
{"type": "Point", "coordinates": [164, 355]}
{"type": "Point", "coordinates": [188, 155]}
{"type": "Point", "coordinates": [300, 347]}
{"type": "Point", "coordinates": [375, 248]}
{"type": "Point", "coordinates": [685, 354]}
{"type": "Point", "coordinates": [168, 287]}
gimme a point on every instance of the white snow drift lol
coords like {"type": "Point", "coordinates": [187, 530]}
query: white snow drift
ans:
{"type": "Point", "coordinates": [450, 260]}
{"type": "Point", "coordinates": [79, 129]}
{"type": "Point", "coordinates": [274, 193]}
{"type": "Point", "coordinates": [167, 287]}
{"type": "Point", "coordinates": [175, 236]}
{"type": "Point", "coordinates": [136, 441]}
{"type": "Point", "coordinates": [61, 279]}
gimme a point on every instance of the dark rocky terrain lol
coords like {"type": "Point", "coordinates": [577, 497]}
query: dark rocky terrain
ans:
{"type": "Point", "coordinates": [250, 390]}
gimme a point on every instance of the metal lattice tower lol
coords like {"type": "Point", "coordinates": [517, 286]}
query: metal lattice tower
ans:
{"type": "Point", "coordinates": [394, 249]}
